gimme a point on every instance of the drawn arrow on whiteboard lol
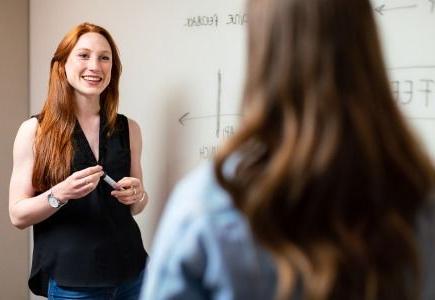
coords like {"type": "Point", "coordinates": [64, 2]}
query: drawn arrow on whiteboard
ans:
{"type": "Point", "coordinates": [382, 8]}
{"type": "Point", "coordinates": [184, 118]}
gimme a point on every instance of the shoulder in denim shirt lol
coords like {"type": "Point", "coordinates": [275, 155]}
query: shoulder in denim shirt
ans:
{"type": "Point", "coordinates": [204, 249]}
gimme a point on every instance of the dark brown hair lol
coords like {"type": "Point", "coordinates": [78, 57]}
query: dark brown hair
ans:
{"type": "Point", "coordinates": [328, 175]}
{"type": "Point", "coordinates": [53, 145]}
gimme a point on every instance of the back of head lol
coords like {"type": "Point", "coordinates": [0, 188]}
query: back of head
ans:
{"type": "Point", "coordinates": [329, 177]}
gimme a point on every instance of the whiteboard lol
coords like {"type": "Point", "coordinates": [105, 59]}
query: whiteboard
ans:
{"type": "Point", "coordinates": [407, 28]}
{"type": "Point", "coordinates": [184, 68]}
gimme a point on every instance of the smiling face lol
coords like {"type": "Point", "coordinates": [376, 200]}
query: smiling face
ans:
{"type": "Point", "coordinates": [88, 67]}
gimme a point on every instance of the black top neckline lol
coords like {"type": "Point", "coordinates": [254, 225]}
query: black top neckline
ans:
{"type": "Point", "coordinates": [83, 141]}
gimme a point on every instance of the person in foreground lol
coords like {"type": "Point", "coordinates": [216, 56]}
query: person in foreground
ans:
{"type": "Point", "coordinates": [323, 192]}
{"type": "Point", "coordinates": [87, 244]}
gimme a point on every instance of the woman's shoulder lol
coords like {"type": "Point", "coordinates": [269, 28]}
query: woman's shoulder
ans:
{"type": "Point", "coordinates": [25, 137]}
{"type": "Point", "coordinates": [191, 204]}
{"type": "Point", "coordinates": [201, 193]}
{"type": "Point", "coordinates": [200, 202]}
{"type": "Point", "coordinates": [28, 127]}
{"type": "Point", "coordinates": [133, 126]}
{"type": "Point", "coordinates": [122, 121]}
{"type": "Point", "coordinates": [201, 211]}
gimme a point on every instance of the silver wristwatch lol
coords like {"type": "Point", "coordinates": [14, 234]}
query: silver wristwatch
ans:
{"type": "Point", "coordinates": [54, 202]}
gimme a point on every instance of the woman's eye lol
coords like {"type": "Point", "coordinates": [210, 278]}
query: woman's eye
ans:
{"type": "Point", "coordinates": [83, 55]}
{"type": "Point", "coordinates": [105, 57]}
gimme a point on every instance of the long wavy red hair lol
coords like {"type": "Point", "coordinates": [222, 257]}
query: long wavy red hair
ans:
{"type": "Point", "coordinates": [53, 144]}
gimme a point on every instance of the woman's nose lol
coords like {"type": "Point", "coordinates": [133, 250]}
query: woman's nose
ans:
{"type": "Point", "coordinates": [94, 63]}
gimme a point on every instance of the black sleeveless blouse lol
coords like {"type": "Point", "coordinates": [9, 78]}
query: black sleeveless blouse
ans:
{"type": "Point", "coordinates": [93, 241]}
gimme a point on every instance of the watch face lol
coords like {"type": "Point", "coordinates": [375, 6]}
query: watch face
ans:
{"type": "Point", "coordinates": [53, 201]}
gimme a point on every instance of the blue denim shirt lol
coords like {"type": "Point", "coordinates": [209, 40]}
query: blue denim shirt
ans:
{"type": "Point", "coordinates": [204, 248]}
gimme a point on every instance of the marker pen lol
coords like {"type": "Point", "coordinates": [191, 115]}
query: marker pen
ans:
{"type": "Point", "coordinates": [110, 181]}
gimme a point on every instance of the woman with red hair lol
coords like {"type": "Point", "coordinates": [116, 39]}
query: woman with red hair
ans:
{"type": "Point", "coordinates": [86, 243]}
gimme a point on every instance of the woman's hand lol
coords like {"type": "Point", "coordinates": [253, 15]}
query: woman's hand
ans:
{"type": "Point", "coordinates": [129, 191]}
{"type": "Point", "coordinates": [78, 184]}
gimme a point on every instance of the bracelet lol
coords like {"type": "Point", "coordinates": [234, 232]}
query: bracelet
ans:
{"type": "Point", "coordinates": [143, 196]}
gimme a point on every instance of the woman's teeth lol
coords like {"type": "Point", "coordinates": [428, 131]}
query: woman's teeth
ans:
{"type": "Point", "coordinates": [92, 78]}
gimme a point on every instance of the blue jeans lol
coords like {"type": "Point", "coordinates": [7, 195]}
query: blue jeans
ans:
{"type": "Point", "coordinates": [129, 290]}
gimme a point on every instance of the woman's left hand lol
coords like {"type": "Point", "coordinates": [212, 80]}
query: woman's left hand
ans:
{"type": "Point", "coordinates": [129, 191]}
